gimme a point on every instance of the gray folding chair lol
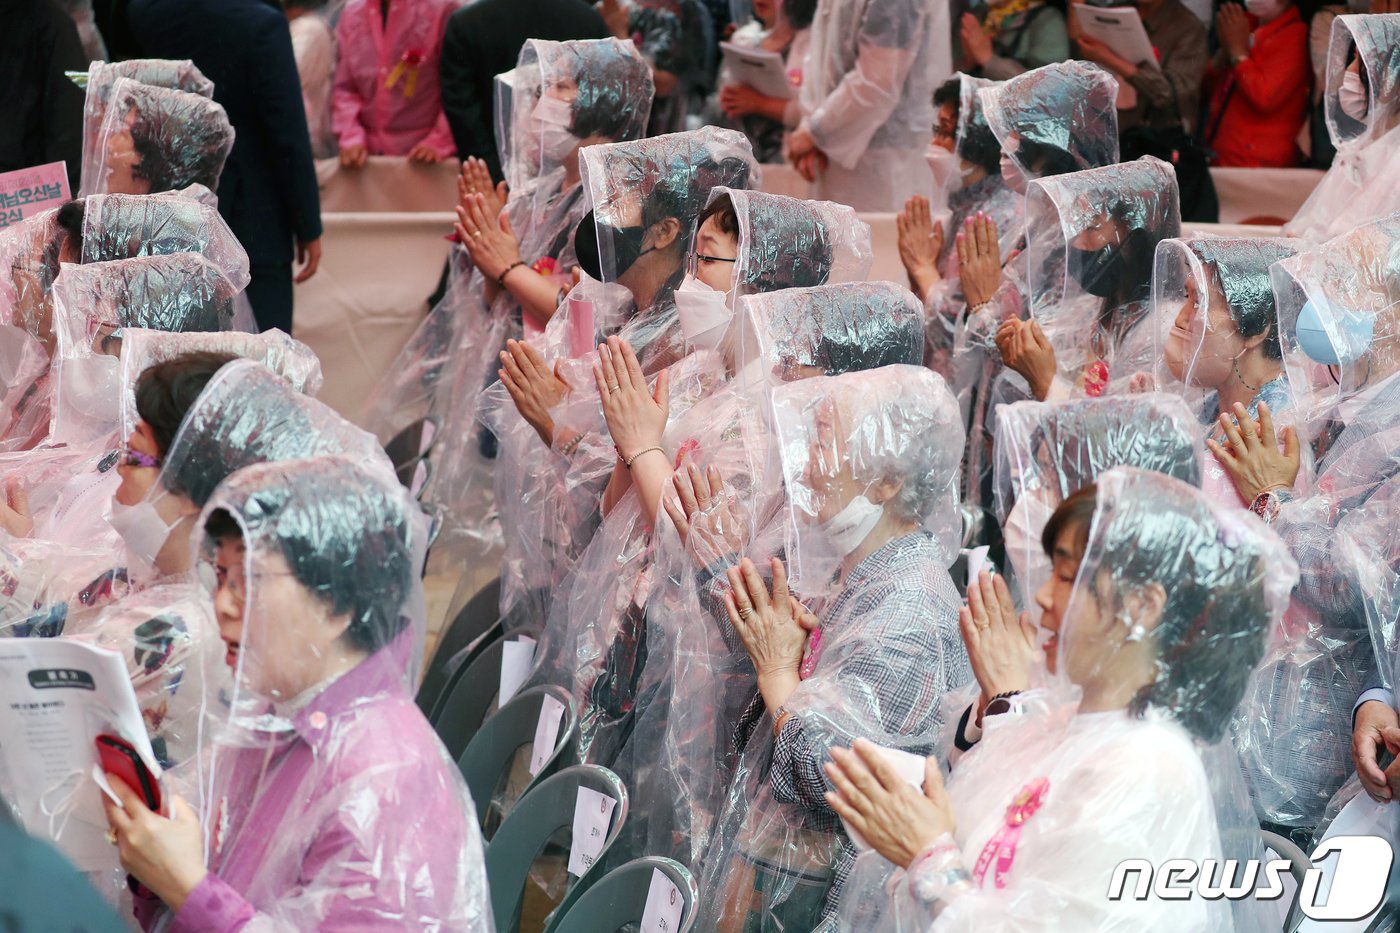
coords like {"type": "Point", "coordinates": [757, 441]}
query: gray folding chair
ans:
{"type": "Point", "coordinates": [544, 811]}
{"type": "Point", "coordinates": [413, 442]}
{"type": "Point", "coordinates": [466, 631]}
{"type": "Point", "coordinates": [487, 761]}
{"type": "Point", "coordinates": [470, 693]}
{"type": "Point", "coordinates": [1299, 863]}
{"type": "Point", "coordinates": [619, 898]}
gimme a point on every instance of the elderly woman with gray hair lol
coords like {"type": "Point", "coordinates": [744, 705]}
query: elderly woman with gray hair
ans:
{"type": "Point", "coordinates": [870, 462]}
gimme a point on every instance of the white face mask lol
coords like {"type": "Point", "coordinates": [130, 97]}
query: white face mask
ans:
{"type": "Point", "coordinates": [703, 313]}
{"type": "Point", "coordinates": [143, 531]}
{"type": "Point", "coordinates": [1264, 10]}
{"type": "Point", "coordinates": [89, 398]}
{"type": "Point", "coordinates": [853, 524]}
{"type": "Point", "coordinates": [552, 118]}
{"type": "Point", "coordinates": [946, 168]}
{"type": "Point", "coordinates": [1011, 174]}
{"type": "Point", "coordinates": [1352, 96]}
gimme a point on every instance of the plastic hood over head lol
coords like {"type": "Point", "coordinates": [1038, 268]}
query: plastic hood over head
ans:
{"type": "Point", "coordinates": [157, 139]}
{"type": "Point", "coordinates": [792, 243]}
{"type": "Point", "coordinates": [1375, 41]}
{"type": "Point", "coordinates": [889, 439]}
{"type": "Point", "coordinates": [124, 226]}
{"type": "Point", "coordinates": [1066, 111]}
{"type": "Point", "coordinates": [562, 93]}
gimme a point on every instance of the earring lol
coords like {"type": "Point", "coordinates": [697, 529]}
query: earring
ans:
{"type": "Point", "coordinates": [1137, 633]}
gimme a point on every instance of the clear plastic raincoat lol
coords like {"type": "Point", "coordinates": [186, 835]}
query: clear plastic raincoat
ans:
{"type": "Point", "coordinates": [1214, 302]}
{"type": "Point", "coordinates": [179, 292]}
{"type": "Point", "coordinates": [1120, 755]}
{"type": "Point", "coordinates": [124, 226]}
{"type": "Point", "coordinates": [101, 81]}
{"type": "Point", "coordinates": [887, 649]}
{"type": "Point", "coordinates": [329, 802]}
{"type": "Point", "coordinates": [1047, 451]}
{"type": "Point", "coordinates": [1092, 238]}
{"type": "Point", "coordinates": [645, 197]}
{"type": "Point", "coordinates": [867, 97]}
{"type": "Point", "coordinates": [1362, 107]}
{"type": "Point", "coordinates": [596, 638]}
{"type": "Point", "coordinates": [246, 414]}
{"type": "Point", "coordinates": [157, 139]}
{"type": "Point", "coordinates": [697, 679]}
{"type": "Point", "coordinates": [561, 96]}
{"type": "Point", "coordinates": [1339, 316]}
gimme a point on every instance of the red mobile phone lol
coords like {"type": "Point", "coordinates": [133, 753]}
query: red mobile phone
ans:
{"type": "Point", "coordinates": [119, 758]}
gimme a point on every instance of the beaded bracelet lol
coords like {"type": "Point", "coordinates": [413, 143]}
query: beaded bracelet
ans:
{"type": "Point", "coordinates": [501, 279]}
{"type": "Point", "coordinates": [630, 460]}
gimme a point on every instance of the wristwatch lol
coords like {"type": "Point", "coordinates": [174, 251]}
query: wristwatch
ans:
{"type": "Point", "coordinates": [1001, 703]}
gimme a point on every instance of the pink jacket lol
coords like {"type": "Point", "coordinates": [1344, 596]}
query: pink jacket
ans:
{"type": "Point", "coordinates": [386, 93]}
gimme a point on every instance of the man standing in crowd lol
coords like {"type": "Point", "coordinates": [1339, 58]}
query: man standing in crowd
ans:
{"type": "Point", "coordinates": [268, 190]}
{"type": "Point", "coordinates": [482, 40]}
{"type": "Point", "coordinates": [43, 109]}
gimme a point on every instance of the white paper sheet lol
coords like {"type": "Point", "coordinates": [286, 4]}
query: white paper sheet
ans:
{"type": "Point", "coordinates": [1120, 28]}
{"type": "Point", "coordinates": [56, 697]}
{"type": "Point", "coordinates": [761, 70]}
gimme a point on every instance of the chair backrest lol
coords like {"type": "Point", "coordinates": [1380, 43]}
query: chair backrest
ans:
{"type": "Point", "coordinates": [545, 810]}
{"type": "Point", "coordinates": [413, 442]}
{"type": "Point", "coordinates": [491, 752]}
{"type": "Point", "coordinates": [473, 621]}
{"type": "Point", "coordinates": [1299, 863]}
{"type": "Point", "coordinates": [619, 898]}
{"type": "Point", "coordinates": [422, 473]}
{"type": "Point", "coordinates": [467, 700]}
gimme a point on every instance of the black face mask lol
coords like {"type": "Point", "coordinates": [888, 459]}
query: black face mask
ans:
{"type": "Point", "coordinates": [627, 245]}
{"type": "Point", "coordinates": [1099, 271]}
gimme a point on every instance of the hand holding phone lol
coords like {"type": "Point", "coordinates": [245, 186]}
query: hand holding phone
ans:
{"type": "Point", "coordinates": [118, 757]}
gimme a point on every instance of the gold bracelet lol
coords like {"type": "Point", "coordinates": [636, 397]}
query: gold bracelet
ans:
{"type": "Point", "coordinates": [629, 461]}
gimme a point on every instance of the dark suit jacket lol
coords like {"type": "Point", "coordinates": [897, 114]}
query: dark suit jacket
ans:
{"type": "Point", "coordinates": [484, 39]}
{"type": "Point", "coordinates": [268, 191]}
{"type": "Point", "coordinates": [43, 110]}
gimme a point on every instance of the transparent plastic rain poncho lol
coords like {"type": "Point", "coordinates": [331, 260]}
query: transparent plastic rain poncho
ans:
{"type": "Point", "coordinates": [1066, 112]}
{"type": "Point", "coordinates": [661, 181]}
{"type": "Point", "coordinates": [954, 202]}
{"type": "Point", "coordinates": [123, 226]}
{"type": "Point", "coordinates": [781, 243]}
{"type": "Point", "coordinates": [1339, 323]}
{"type": "Point", "coordinates": [633, 189]}
{"type": "Point", "coordinates": [867, 96]}
{"type": "Point", "coordinates": [1047, 451]}
{"type": "Point", "coordinates": [329, 802]}
{"type": "Point", "coordinates": [1051, 799]}
{"type": "Point", "coordinates": [29, 263]}
{"type": "Point", "coordinates": [290, 360]}
{"type": "Point", "coordinates": [1213, 301]}
{"type": "Point", "coordinates": [245, 415]}
{"type": "Point", "coordinates": [180, 292]}
{"type": "Point", "coordinates": [47, 584]}
{"type": "Point", "coordinates": [1294, 733]}
{"type": "Point", "coordinates": [561, 93]}
{"type": "Point", "coordinates": [157, 139]}
{"type": "Point", "coordinates": [102, 78]}
{"type": "Point", "coordinates": [678, 756]}
{"type": "Point", "coordinates": [452, 358]}
{"type": "Point", "coordinates": [599, 627]}
{"type": "Point", "coordinates": [1092, 236]}
{"type": "Point", "coordinates": [888, 648]}
{"type": "Point", "coordinates": [1361, 185]}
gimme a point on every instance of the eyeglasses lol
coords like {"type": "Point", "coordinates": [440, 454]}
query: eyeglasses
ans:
{"type": "Point", "coordinates": [940, 132]}
{"type": "Point", "coordinates": [697, 258]}
{"type": "Point", "coordinates": [136, 458]}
